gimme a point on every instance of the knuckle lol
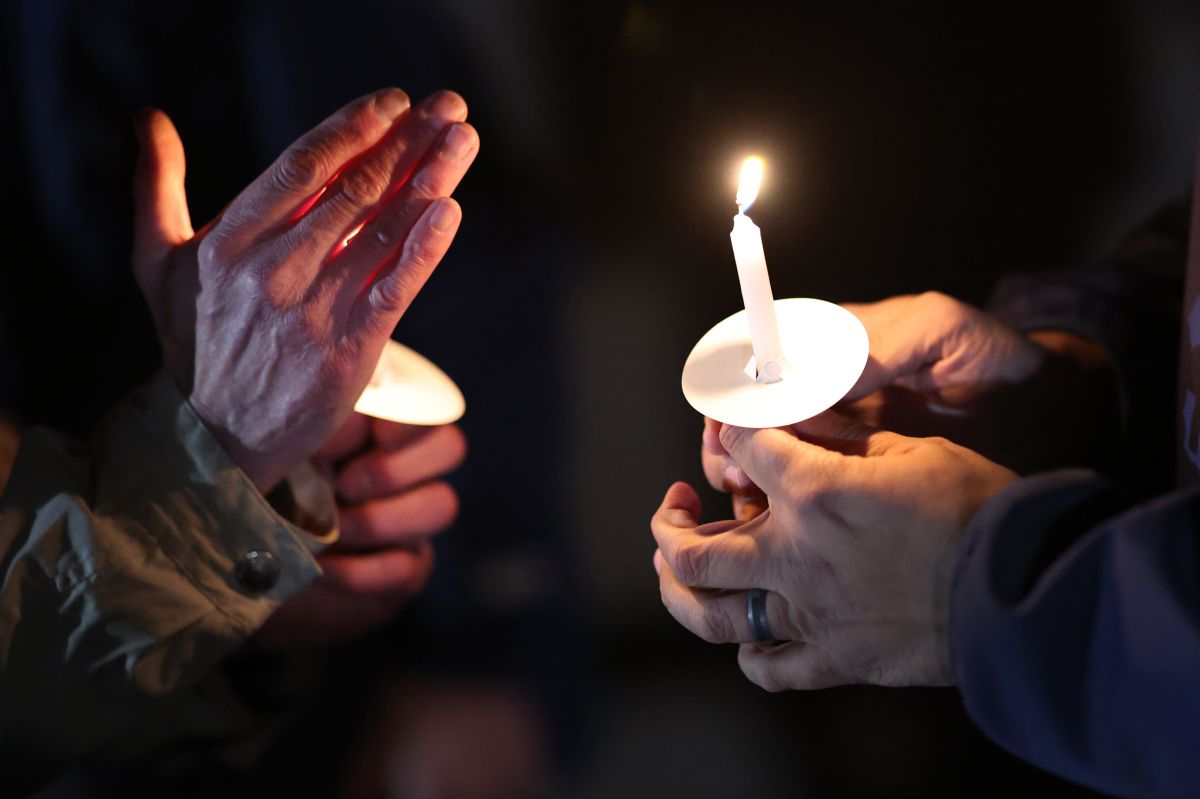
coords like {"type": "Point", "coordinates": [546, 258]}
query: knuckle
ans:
{"type": "Point", "coordinates": [313, 324]}
{"type": "Point", "coordinates": [363, 185]}
{"type": "Point", "coordinates": [942, 305]}
{"type": "Point", "coordinates": [424, 183]}
{"type": "Point", "coordinates": [716, 627]}
{"type": "Point", "coordinates": [211, 251]}
{"type": "Point", "coordinates": [358, 124]}
{"type": "Point", "coordinates": [691, 564]}
{"type": "Point", "coordinates": [394, 291]}
{"type": "Point", "coordinates": [302, 166]}
{"type": "Point", "coordinates": [418, 251]}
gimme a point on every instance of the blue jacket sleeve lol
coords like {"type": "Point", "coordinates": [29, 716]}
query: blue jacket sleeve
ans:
{"type": "Point", "coordinates": [1075, 632]}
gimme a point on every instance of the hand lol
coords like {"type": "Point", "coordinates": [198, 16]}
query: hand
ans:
{"type": "Point", "coordinates": [935, 344]}
{"type": "Point", "coordinates": [391, 504]}
{"type": "Point", "coordinates": [932, 361]}
{"type": "Point", "coordinates": [940, 367]}
{"type": "Point", "coordinates": [273, 316]}
{"type": "Point", "coordinates": [855, 553]}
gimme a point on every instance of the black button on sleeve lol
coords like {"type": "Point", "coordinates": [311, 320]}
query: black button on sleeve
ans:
{"type": "Point", "coordinates": [257, 571]}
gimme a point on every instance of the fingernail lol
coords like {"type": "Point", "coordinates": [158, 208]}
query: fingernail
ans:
{"type": "Point", "coordinates": [443, 215]}
{"type": "Point", "coordinates": [728, 436]}
{"type": "Point", "coordinates": [457, 144]}
{"type": "Point", "coordinates": [445, 105]}
{"type": "Point", "coordinates": [736, 478]}
{"type": "Point", "coordinates": [391, 103]}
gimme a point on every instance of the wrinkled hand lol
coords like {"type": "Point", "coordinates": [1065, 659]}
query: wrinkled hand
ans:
{"type": "Point", "coordinates": [855, 553]}
{"type": "Point", "coordinates": [932, 361]}
{"type": "Point", "coordinates": [939, 367]}
{"type": "Point", "coordinates": [937, 345]}
{"type": "Point", "coordinates": [273, 316]}
{"type": "Point", "coordinates": [391, 504]}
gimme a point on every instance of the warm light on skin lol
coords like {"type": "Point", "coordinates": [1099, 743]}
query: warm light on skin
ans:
{"type": "Point", "coordinates": [749, 183]}
{"type": "Point", "coordinates": [349, 238]}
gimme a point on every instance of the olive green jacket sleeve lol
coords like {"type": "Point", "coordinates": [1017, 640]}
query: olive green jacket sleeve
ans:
{"type": "Point", "coordinates": [128, 569]}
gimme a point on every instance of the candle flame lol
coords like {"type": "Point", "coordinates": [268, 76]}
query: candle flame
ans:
{"type": "Point", "coordinates": [748, 185]}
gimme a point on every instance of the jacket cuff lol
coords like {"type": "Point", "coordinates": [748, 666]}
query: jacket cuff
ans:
{"type": "Point", "coordinates": [204, 513]}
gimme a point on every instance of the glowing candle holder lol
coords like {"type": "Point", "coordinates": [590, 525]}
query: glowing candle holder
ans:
{"type": "Point", "coordinates": [779, 361]}
{"type": "Point", "coordinates": [406, 387]}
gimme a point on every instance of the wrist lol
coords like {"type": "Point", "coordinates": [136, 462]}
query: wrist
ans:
{"type": "Point", "coordinates": [261, 471]}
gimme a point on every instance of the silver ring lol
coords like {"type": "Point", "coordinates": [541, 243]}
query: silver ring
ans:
{"type": "Point", "coordinates": [756, 614]}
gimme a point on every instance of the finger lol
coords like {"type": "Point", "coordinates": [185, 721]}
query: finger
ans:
{"type": "Point", "coordinates": [791, 666]}
{"type": "Point", "coordinates": [299, 177]}
{"type": "Point", "coordinates": [767, 455]}
{"type": "Point", "coordinates": [380, 305]}
{"type": "Point", "coordinates": [720, 617]}
{"type": "Point", "coordinates": [379, 472]}
{"type": "Point", "coordinates": [834, 432]}
{"type": "Point", "coordinates": [712, 437]}
{"type": "Point", "coordinates": [379, 175]}
{"type": "Point", "coordinates": [722, 554]}
{"type": "Point", "coordinates": [380, 572]}
{"type": "Point", "coordinates": [414, 515]}
{"type": "Point", "coordinates": [747, 507]}
{"type": "Point", "coordinates": [908, 336]}
{"type": "Point", "coordinates": [380, 237]}
{"type": "Point", "coordinates": [880, 319]}
{"type": "Point", "coordinates": [161, 218]}
{"type": "Point", "coordinates": [720, 470]}
{"type": "Point", "coordinates": [394, 435]}
{"type": "Point", "coordinates": [351, 437]}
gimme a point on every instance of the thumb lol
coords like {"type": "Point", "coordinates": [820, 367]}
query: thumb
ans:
{"type": "Point", "coordinates": [765, 454]}
{"type": "Point", "coordinates": [161, 218]}
{"type": "Point", "coordinates": [838, 433]}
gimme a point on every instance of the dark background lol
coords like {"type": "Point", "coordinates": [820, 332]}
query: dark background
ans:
{"type": "Point", "coordinates": [909, 147]}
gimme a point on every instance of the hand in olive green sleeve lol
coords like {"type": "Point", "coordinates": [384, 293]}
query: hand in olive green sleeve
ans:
{"type": "Point", "coordinates": [132, 566]}
{"type": "Point", "coordinates": [273, 316]}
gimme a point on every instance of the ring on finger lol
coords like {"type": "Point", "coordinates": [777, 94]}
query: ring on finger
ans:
{"type": "Point", "coordinates": [756, 614]}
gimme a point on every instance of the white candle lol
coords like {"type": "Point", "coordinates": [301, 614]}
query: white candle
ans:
{"type": "Point", "coordinates": [752, 273]}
